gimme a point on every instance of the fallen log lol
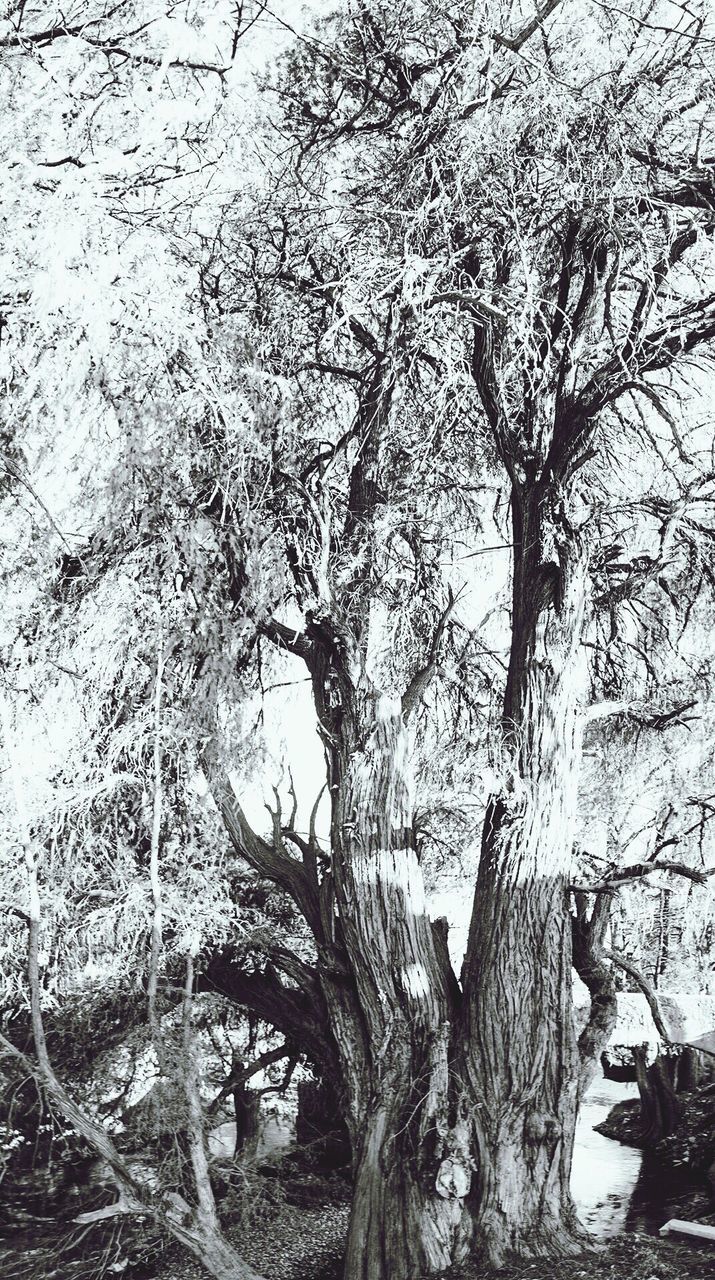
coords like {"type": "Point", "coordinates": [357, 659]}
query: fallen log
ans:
{"type": "Point", "coordinates": [698, 1230]}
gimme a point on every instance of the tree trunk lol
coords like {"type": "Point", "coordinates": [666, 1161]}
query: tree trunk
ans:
{"type": "Point", "coordinates": [587, 935]}
{"type": "Point", "coordinates": [390, 997]}
{"type": "Point", "coordinates": [690, 1073]}
{"type": "Point", "coordinates": [660, 1106]}
{"type": "Point", "coordinates": [663, 951]}
{"type": "Point", "coordinates": [320, 1125]}
{"type": "Point", "coordinates": [521, 1057]}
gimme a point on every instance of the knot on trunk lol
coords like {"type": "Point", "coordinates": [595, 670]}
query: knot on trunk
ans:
{"type": "Point", "coordinates": [454, 1178]}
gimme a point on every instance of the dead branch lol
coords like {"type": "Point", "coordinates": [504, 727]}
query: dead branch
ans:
{"type": "Point", "coordinates": [269, 860]}
{"type": "Point", "coordinates": [240, 1074]}
{"type": "Point", "coordinates": [295, 641]}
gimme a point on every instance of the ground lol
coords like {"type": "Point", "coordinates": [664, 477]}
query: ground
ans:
{"type": "Point", "coordinates": [290, 1223]}
{"type": "Point", "coordinates": [310, 1251]}
{"type": "Point", "coordinates": [631, 1257]}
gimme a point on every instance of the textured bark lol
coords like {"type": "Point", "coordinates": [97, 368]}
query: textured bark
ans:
{"type": "Point", "coordinates": [388, 991]}
{"type": "Point", "coordinates": [400, 1225]}
{"type": "Point", "coordinates": [690, 1071]}
{"type": "Point", "coordinates": [300, 1013]}
{"type": "Point", "coordinates": [521, 1057]}
{"type": "Point", "coordinates": [386, 1007]}
{"type": "Point", "coordinates": [587, 934]}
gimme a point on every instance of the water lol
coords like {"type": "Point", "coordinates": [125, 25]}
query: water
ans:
{"type": "Point", "coordinates": [605, 1173]}
{"type": "Point", "coordinates": [619, 1188]}
{"type": "Point", "coordinates": [276, 1135]}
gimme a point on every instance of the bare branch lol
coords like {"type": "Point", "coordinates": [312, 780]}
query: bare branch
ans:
{"type": "Point", "coordinates": [240, 1074]}
{"type": "Point", "coordinates": [634, 972]}
{"type": "Point", "coordinates": [269, 860]}
{"type": "Point", "coordinates": [638, 870]}
{"type": "Point", "coordinates": [289, 638]}
{"type": "Point", "coordinates": [514, 43]}
{"type": "Point", "coordinates": [419, 684]}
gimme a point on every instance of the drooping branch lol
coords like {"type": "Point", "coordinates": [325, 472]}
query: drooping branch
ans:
{"type": "Point", "coordinates": [197, 1232]}
{"type": "Point", "coordinates": [634, 972]}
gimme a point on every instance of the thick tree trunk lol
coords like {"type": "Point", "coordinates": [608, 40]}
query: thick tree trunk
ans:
{"type": "Point", "coordinates": [391, 1001]}
{"type": "Point", "coordinates": [521, 1057]}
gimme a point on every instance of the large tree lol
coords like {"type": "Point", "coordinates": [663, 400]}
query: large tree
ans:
{"type": "Point", "coordinates": [491, 236]}
{"type": "Point", "coordinates": [442, 316]}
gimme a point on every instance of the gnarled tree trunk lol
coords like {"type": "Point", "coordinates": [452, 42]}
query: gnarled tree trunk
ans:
{"type": "Point", "coordinates": [589, 961]}
{"type": "Point", "coordinates": [521, 1056]}
{"type": "Point", "coordinates": [393, 1021]}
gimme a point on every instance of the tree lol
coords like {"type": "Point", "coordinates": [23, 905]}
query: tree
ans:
{"type": "Point", "coordinates": [479, 237]}
{"type": "Point", "coordinates": [517, 214]}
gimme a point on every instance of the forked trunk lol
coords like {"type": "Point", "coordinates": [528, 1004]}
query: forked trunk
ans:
{"type": "Point", "coordinates": [521, 1056]}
